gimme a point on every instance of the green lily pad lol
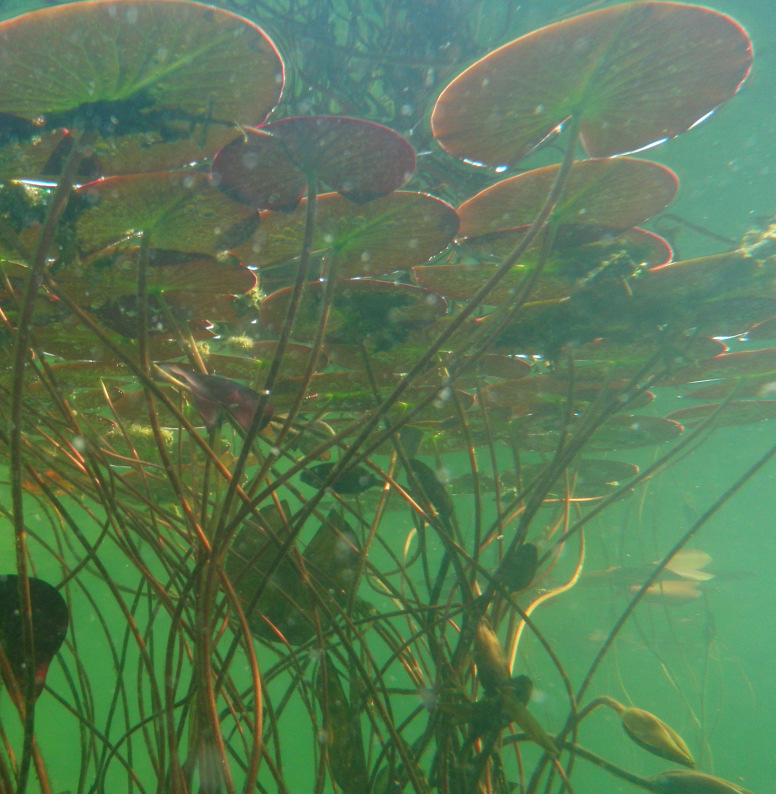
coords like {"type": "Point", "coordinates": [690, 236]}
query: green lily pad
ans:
{"type": "Point", "coordinates": [162, 83]}
{"type": "Point", "coordinates": [174, 210]}
{"type": "Point", "coordinates": [577, 253]}
{"type": "Point", "coordinates": [378, 313]}
{"type": "Point", "coordinates": [387, 234]}
{"type": "Point", "coordinates": [117, 274]}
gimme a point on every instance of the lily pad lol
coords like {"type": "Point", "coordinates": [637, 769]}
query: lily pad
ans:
{"type": "Point", "coordinates": [616, 194]}
{"type": "Point", "coordinates": [737, 412]}
{"type": "Point", "coordinates": [387, 234]}
{"type": "Point", "coordinates": [541, 432]}
{"type": "Point", "coordinates": [268, 168]}
{"type": "Point", "coordinates": [190, 310]}
{"type": "Point", "coordinates": [742, 363]}
{"type": "Point", "coordinates": [117, 274]}
{"type": "Point", "coordinates": [589, 478]}
{"type": "Point", "coordinates": [174, 210]}
{"type": "Point", "coordinates": [378, 313]}
{"type": "Point", "coordinates": [758, 386]}
{"type": "Point", "coordinates": [626, 432]}
{"type": "Point", "coordinates": [693, 277]}
{"type": "Point", "coordinates": [161, 83]}
{"type": "Point", "coordinates": [577, 253]}
{"type": "Point", "coordinates": [256, 363]}
{"type": "Point", "coordinates": [634, 74]}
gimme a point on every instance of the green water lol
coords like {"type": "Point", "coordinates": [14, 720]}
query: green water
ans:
{"type": "Point", "coordinates": [705, 667]}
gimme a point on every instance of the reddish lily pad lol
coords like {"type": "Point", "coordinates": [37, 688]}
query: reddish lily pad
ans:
{"type": "Point", "coordinates": [378, 313]}
{"type": "Point", "coordinates": [691, 277]}
{"type": "Point", "coordinates": [506, 367]}
{"type": "Point", "coordinates": [634, 74]}
{"type": "Point", "coordinates": [41, 156]}
{"type": "Point", "coordinates": [587, 245]}
{"type": "Point", "coordinates": [174, 210]}
{"type": "Point", "coordinates": [169, 80]}
{"type": "Point", "coordinates": [743, 363]}
{"type": "Point", "coordinates": [731, 315]}
{"type": "Point", "coordinates": [761, 386]}
{"type": "Point", "coordinates": [546, 326]}
{"type": "Point", "coordinates": [737, 412]}
{"type": "Point", "coordinates": [536, 394]}
{"type": "Point", "coordinates": [49, 619]}
{"type": "Point", "coordinates": [626, 432]}
{"type": "Point", "coordinates": [616, 194]}
{"type": "Point", "coordinates": [607, 357]}
{"type": "Point", "coordinates": [390, 233]}
{"type": "Point", "coordinates": [352, 390]}
{"type": "Point", "coordinates": [268, 168]}
{"type": "Point", "coordinates": [349, 390]}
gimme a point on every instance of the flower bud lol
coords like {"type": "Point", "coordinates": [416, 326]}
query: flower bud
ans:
{"type": "Point", "coordinates": [489, 656]}
{"type": "Point", "coordinates": [655, 736]}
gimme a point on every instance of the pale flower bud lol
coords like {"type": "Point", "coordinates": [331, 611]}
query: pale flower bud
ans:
{"type": "Point", "coordinates": [655, 736]}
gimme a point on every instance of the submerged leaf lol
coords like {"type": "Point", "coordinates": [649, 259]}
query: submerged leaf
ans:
{"type": "Point", "coordinates": [50, 619]}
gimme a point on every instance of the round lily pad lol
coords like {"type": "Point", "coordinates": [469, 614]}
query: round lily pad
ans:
{"type": "Point", "coordinates": [616, 194]}
{"type": "Point", "coordinates": [387, 234]}
{"type": "Point", "coordinates": [169, 78]}
{"type": "Point", "coordinates": [588, 478]}
{"type": "Point", "coordinates": [626, 432]}
{"type": "Point", "coordinates": [742, 363]}
{"type": "Point", "coordinates": [269, 167]}
{"type": "Point", "coordinates": [692, 277]}
{"type": "Point", "coordinates": [174, 210]}
{"type": "Point", "coordinates": [737, 412]}
{"type": "Point", "coordinates": [634, 74]}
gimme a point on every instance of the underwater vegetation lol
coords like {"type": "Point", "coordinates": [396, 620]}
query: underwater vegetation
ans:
{"type": "Point", "coordinates": [303, 420]}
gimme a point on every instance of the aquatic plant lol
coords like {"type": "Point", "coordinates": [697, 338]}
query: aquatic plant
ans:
{"type": "Point", "coordinates": [244, 352]}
